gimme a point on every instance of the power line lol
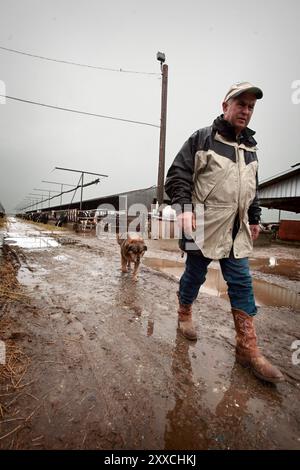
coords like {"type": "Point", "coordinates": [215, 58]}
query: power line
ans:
{"type": "Point", "coordinates": [77, 64]}
{"type": "Point", "coordinates": [79, 112]}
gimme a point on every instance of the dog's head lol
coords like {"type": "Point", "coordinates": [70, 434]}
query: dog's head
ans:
{"type": "Point", "coordinates": [136, 249]}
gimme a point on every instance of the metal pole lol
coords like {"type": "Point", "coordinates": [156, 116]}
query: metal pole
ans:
{"type": "Point", "coordinates": [162, 139]}
{"type": "Point", "coordinates": [81, 190]}
{"type": "Point", "coordinates": [39, 201]}
{"type": "Point", "coordinates": [82, 174]}
{"type": "Point", "coordinates": [61, 187]}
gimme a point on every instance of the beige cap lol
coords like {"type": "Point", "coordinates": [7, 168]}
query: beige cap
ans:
{"type": "Point", "coordinates": [239, 88]}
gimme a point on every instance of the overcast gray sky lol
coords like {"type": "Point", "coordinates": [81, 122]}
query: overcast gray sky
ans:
{"type": "Point", "coordinates": [208, 46]}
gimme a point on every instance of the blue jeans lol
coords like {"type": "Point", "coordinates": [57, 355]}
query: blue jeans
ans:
{"type": "Point", "coordinates": [235, 272]}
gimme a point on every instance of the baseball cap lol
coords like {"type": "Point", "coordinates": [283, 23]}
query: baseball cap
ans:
{"type": "Point", "coordinates": [239, 88]}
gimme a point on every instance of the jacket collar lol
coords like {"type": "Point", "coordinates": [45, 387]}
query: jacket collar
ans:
{"type": "Point", "coordinates": [227, 131]}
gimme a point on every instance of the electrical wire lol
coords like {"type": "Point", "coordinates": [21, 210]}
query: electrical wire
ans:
{"type": "Point", "coordinates": [79, 112]}
{"type": "Point", "coordinates": [77, 64]}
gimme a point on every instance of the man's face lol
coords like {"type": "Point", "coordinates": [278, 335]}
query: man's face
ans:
{"type": "Point", "coordinates": [238, 111]}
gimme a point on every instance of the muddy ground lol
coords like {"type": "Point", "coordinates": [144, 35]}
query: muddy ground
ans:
{"type": "Point", "coordinates": [94, 360]}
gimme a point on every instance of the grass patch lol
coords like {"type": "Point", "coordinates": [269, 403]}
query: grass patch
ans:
{"type": "Point", "coordinates": [2, 222]}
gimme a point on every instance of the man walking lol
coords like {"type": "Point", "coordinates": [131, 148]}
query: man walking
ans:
{"type": "Point", "coordinates": [217, 169]}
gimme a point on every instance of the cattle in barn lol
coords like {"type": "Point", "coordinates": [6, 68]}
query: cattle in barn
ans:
{"type": "Point", "coordinates": [63, 219]}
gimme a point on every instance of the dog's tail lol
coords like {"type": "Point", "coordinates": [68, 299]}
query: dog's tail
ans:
{"type": "Point", "coordinates": [120, 238]}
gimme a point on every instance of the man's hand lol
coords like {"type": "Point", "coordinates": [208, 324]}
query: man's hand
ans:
{"type": "Point", "coordinates": [255, 229]}
{"type": "Point", "coordinates": [187, 222]}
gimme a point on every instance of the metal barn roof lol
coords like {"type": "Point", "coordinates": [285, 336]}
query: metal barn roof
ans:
{"type": "Point", "coordinates": [281, 191]}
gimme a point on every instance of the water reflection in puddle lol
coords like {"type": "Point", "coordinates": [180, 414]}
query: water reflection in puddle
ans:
{"type": "Point", "coordinates": [23, 236]}
{"type": "Point", "coordinates": [281, 267]}
{"type": "Point", "coordinates": [32, 242]}
{"type": "Point", "coordinates": [265, 292]}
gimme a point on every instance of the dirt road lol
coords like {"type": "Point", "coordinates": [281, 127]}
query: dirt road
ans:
{"type": "Point", "coordinates": [94, 361]}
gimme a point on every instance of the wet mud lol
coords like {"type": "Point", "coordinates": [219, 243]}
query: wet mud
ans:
{"type": "Point", "coordinates": [265, 290]}
{"type": "Point", "coordinates": [107, 368]}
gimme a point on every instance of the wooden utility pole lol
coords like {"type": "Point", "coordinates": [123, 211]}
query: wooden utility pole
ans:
{"type": "Point", "coordinates": [81, 192]}
{"type": "Point", "coordinates": [162, 139]}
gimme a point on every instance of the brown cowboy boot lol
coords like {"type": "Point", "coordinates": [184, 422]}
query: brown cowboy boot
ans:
{"type": "Point", "coordinates": [247, 352]}
{"type": "Point", "coordinates": [185, 322]}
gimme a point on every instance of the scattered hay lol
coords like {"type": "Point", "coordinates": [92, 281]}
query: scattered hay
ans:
{"type": "Point", "coordinates": [12, 374]}
{"type": "Point", "coordinates": [14, 370]}
{"type": "Point", "coordinates": [10, 295]}
{"type": "Point", "coordinates": [9, 285]}
{"type": "Point", "coordinates": [3, 222]}
{"type": "Point", "coordinates": [50, 227]}
{"type": "Point", "coordinates": [21, 426]}
{"type": "Point", "coordinates": [11, 432]}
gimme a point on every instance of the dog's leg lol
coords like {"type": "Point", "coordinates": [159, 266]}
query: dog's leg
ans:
{"type": "Point", "coordinates": [135, 271]}
{"type": "Point", "coordinates": [124, 262]}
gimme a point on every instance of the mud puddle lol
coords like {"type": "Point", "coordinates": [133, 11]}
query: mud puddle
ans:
{"type": "Point", "coordinates": [281, 267]}
{"type": "Point", "coordinates": [161, 244]}
{"type": "Point", "coordinates": [23, 236]}
{"type": "Point", "coordinates": [102, 335]}
{"type": "Point", "coordinates": [32, 242]}
{"type": "Point", "coordinates": [266, 294]}
{"type": "Point", "coordinates": [109, 369]}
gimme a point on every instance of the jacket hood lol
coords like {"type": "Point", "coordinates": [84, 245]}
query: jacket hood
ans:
{"type": "Point", "coordinates": [228, 132]}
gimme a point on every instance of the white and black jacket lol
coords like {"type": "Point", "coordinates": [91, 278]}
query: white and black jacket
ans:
{"type": "Point", "coordinates": [217, 171]}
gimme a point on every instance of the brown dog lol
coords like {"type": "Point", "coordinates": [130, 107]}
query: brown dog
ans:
{"type": "Point", "coordinates": [132, 249]}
